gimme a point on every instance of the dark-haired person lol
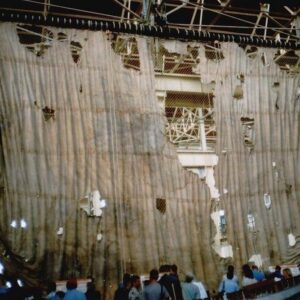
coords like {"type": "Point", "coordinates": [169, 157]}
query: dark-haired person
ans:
{"type": "Point", "coordinates": [277, 274]}
{"type": "Point", "coordinates": [248, 277]}
{"type": "Point", "coordinates": [170, 281]}
{"type": "Point", "coordinates": [91, 292]}
{"type": "Point", "coordinates": [230, 271]}
{"type": "Point", "coordinates": [72, 292]}
{"type": "Point", "coordinates": [175, 284]}
{"type": "Point", "coordinates": [122, 291]}
{"type": "Point", "coordinates": [51, 291]}
{"type": "Point", "coordinates": [154, 290]}
{"type": "Point", "coordinates": [229, 284]}
{"type": "Point", "coordinates": [135, 291]}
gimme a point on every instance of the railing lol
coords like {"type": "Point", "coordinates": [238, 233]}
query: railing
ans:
{"type": "Point", "coordinates": [262, 289]}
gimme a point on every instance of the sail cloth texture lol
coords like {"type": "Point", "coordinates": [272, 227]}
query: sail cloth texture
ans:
{"type": "Point", "coordinates": [107, 134]}
{"type": "Point", "coordinates": [269, 164]}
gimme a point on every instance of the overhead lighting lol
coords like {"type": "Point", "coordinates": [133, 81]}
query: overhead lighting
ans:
{"type": "Point", "coordinates": [277, 37]}
{"type": "Point", "coordinates": [99, 237]}
{"type": "Point", "coordinates": [1, 268]}
{"type": "Point", "coordinates": [267, 200]}
{"type": "Point", "coordinates": [14, 224]}
{"type": "Point", "coordinates": [20, 283]}
{"type": "Point", "coordinates": [102, 203]}
{"type": "Point", "coordinates": [265, 7]}
{"type": "Point", "coordinates": [23, 223]}
{"type": "Point", "coordinates": [60, 231]}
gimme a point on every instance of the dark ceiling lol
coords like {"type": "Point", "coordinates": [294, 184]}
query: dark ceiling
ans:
{"type": "Point", "coordinates": [237, 16]}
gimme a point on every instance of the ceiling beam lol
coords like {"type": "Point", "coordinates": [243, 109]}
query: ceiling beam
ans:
{"type": "Point", "coordinates": [127, 9]}
{"type": "Point", "coordinates": [139, 29]}
{"type": "Point", "coordinates": [194, 15]}
{"type": "Point", "coordinates": [217, 17]}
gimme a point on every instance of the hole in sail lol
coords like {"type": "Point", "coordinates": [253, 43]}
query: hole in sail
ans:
{"type": "Point", "coordinates": [213, 51]}
{"type": "Point", "coordinates": [248, 131]}
{"type": "Point", "coordinates": [161, 205]}
{"type": "Point", "coordinates": [36, 39]}
{"type": "Point", "coordinates": [76, 49]}
{"type": "Point", "coordinates": [127, 48]}
{"type": "Point", "coordinates": [49, 113]}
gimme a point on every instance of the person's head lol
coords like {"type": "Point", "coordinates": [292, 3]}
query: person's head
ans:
{"type": "Point", "coordinates": [287, 273]}
{"type": "Point", "coordinates": [189, 277]}
{"type": "Point", "coordinates": [127, 280]}
{"type": "Point", "coordinates": [153, 275]}
{"type": "Point", "coordinates": [136, 281]}
{"type": "Point", "coordinates": [164, 269]}
{"type": "Point", "coordinates": [254, 268]}
{"type": "Point", "coordinates": [230, 272]}
{"type": "Point", "coordinates": [174, 269]}
{"type": "Point", "coordinates": [247, 271]}
{"type": "Point", "coordinates": [71, 284]}
{"type": "Point", "coordinates": [51, 287]}
{"type": "Point", "coordinates": [278, 268]}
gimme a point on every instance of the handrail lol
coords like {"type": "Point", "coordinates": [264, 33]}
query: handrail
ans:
{"type": "Point", "coordinates": [263, 288]}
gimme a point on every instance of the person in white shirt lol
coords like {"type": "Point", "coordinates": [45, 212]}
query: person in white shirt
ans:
{"type": "Point", "coordinates": [248, 277]}
{"type": "Point", "coordinates": [229, 283]}
{"type": "Point", "coordinates": [203, 293]}
{"type": "Point", "coordinates": [189, 290]}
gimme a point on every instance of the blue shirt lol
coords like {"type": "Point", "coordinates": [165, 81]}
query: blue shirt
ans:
{"type": "Point", "coordinates": [155, 291]}
{"type": "Point", "coordinates": [74, 295]}
{"type": "Point", "coordinates": [190, 291]}
{"type": "Point", "coordinates": [259, 276]}
{"type": "Point", "coordinates": [228, 285]}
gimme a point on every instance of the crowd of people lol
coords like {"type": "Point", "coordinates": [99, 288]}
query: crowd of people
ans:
{"type": "Point", "coordinates": [162, 284]}
{"type": "Point", "coordinates": [17, 292]}
{"type": "Point", "coordinates": [230, 282]}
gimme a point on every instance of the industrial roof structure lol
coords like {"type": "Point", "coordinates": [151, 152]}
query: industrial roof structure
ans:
{"type": "Point", "coordinates": [247, 18]}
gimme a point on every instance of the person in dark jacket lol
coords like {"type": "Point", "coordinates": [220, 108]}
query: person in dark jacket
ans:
{"type": "Point", "coordinates": [170, 281]}
{"type": "Point", "coordinates": [91, 293]}
{"type": "Point", "coordinates": [277, 274]}
{"type": "Point", "coordinates": [122, 291]}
